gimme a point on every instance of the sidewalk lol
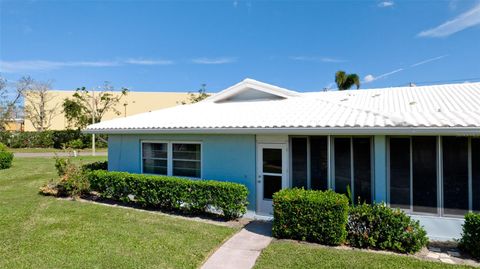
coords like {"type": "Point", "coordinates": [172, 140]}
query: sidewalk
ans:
{"type": "Point", "coordinates": [242, 250]}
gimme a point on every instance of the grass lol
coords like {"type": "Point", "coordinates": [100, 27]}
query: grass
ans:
{"type": "Point", "coordinates": [43, 150]}
{"type": "Point", "coordinates": [45, 232]}
{"type": "Point", "coordinates": [289, 254]}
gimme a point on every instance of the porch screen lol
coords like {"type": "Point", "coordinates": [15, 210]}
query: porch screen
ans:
{"type": "Point", "coordinates": [353, 166]}
{"type": "Point", "coordinates": [424, 153]}
{"type": "Point", "coordinates": [299, 162]}
{"type": "Point", "coordinates": [476, 174]}
{"type": "Point", "coordinates": [455, 175]}
{"type": "Point", "coordinates": [310, 162]}
{"type": "Point", "coordinates": [400, 172]}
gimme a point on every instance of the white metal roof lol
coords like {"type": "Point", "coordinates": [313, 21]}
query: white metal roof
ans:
{"type": "Point", "coordinates": [449, 108]}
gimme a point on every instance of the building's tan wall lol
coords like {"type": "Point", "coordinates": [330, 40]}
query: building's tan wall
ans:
{"type": "Point", "coordinates": [137, 102]}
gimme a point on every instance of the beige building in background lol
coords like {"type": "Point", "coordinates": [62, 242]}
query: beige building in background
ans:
{"type": "Point", "coordinates": [133, 103]}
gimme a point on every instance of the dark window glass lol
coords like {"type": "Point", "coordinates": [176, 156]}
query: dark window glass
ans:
{"type": "Point", "coordinates": [299, 162]}
{"type": "Point", "coordinates": [272, 161]}
{"type": "Point", "coordinates": [152, 166]}
{"type": "Point", "coordinates": [342, 164]}
{"type": "Point", "coordinates": [455, 175]}
{"type": "Point", "coordinates": [318, 163]}
{"type": "Point", "coordinates": [362, 170]}
{"type": "Point", "coordinates": [476, 174]}
{"type": "Point", "coordinates": [424, 153]}
{"type": "Point", "coordinates": [271, 184]}
{"type": "Point", "coordinates": [400, 172]}
{"type": "Point", "coordinates": [186, 160]}
{"type": "Point", "coordinates": [154, 158]}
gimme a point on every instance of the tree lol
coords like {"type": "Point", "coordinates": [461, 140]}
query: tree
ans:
{"type": "Point", "coordinates": [196, 97]}
{"type": "Point", "coordinates": [86, 107]}
{"type": "Point", "coordinates": [346, 81]}
{"type": "Point", "coordinates": [37, 105]}
{"type": "Point", "coordinates": [10, 97]}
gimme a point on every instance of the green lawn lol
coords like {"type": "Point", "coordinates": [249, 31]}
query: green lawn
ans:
{"type": "Point", "coordinates": [289, 254]}
{"type": "Point", "coordinates": [45, 232]}
{"type": "Point", "coordinates": [43, 150]}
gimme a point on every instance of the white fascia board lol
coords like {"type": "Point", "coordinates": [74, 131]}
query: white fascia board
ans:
{"type": "Point", "coordinates": [457, 131]}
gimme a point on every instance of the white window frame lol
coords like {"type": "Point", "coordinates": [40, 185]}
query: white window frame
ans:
{"type": "Point", "coordinates": [170, 155]}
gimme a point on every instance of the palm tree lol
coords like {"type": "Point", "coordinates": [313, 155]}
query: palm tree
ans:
{"type": "Point", "coordinates": [346, 81]}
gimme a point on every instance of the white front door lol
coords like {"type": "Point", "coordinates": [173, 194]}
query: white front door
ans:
{"type": "Point", "coordinates": [272, 171]}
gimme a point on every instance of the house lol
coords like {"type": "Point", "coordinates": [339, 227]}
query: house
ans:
{"type": "Point", "coordinates": [134, 103]}
{"type": "Point", "coordinates": [415, 148]}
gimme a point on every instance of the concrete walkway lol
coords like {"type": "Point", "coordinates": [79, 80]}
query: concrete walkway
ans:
{"type": "Point", "coordinates": [242, 250]}
{"type": "Point", "coordinates": [53, 154]}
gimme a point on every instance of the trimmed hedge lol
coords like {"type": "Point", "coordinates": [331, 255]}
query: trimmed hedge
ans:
{"type": "Point", "coordinates": [379, 226]}
{"type": "Point", "coordinates": [6, 159]}
{"type": "Point", "coordinates": [100, 165]}
{"type": "Point", "coordinates": [315, 216]}
{"type": "Point", "coordinates": [172, 193]}
{"type": "Point", "coordinates": [470, 241]}
{"type": "Point", "coordinates": [48, 139]}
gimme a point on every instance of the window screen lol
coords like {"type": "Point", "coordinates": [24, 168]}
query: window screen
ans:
{"type": "Point", "coordinates": [343, 165]}
{"type": "Point", "coordinates": [319, 162]}
{"type": "Point", "coordinates": [455, 175]}
{"type": "Point", "coordinates": [424, 152]}
{"type": "Point", "coordinates": [299, 162]}
{"type": "Point", "coordinates": [400, 172]}
{"type": "Point", "coordinates": [362, 170]}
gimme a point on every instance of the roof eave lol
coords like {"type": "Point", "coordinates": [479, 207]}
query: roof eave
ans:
{"type": "Point", "coordinates": [458, 131]}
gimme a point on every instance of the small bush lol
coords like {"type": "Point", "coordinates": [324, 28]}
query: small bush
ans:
{"type": "Point", "coordinates": [470, 241]}
{"type": "Point", "coordinates": [61, 165]}
{"type": "Point", "coordinates": [100, 165]}
{"type": "Point", "coordinates": [172, 193]}
{"type": "Point", "coordinates": [75, 144]}
{"type": "Point", "coordinates": [73, 181]}
{"type": "Point", "coordinates": [379, 226]}
{"type": "Point", "coordinates": [6, 157]}
{"type": "Point", "coordinates": [49, 138]}
{"type": "Point", "coordinates": [315, 216]}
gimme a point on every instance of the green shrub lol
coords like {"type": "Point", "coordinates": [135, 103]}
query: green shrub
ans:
{"type": "Point", "coordinates": [100, 165]}
{"type": "Point", "coordinates": [172, 193]}
{"type": "Point", "coordinates": [315, 216]}
{"type": "Point", "coordinates": [75, 144]}
{"type": "Point", "coordinates": [61, 165]}
{"type": "Point", "coordinates": [73, 181]}
{"type": "Point", "coordinates": [3, 147]}
{"type": "Point", "coordinates": [48, 139]}
{"type": "Point", "coordinates": [470, 241]}
{"type": "Point", "coordinates": [379, 226]}
{"type": "Point", "coordinates": [6, 159]}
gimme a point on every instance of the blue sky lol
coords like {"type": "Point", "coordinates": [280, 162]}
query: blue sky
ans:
{"type": "Point", "coordinates": [176, 46]}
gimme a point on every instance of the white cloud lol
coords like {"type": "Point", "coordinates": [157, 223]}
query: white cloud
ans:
{"type": "Point", "coordinates": [370, 78]}
{"type": "Point", "coordinates": [463, 21]}
{"type": "Point", "coordinates": [317, 59]}
{"type": "Point", "coordinates": [42, 65]}
{"type": "Point", "coordinates": [428, 60]}
{"type": "Point", "coordinates": [222, 60]}
{"type": "Point", "coordinates": [148, 62]}
{"type": "Point", "coordinates": [386, 4]}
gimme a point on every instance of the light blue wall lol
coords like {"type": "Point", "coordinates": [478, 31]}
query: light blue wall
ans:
{"type": "Point", "coordinates": [224, 157]}
{"type": "Point", "coordinates": [380, 168]}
